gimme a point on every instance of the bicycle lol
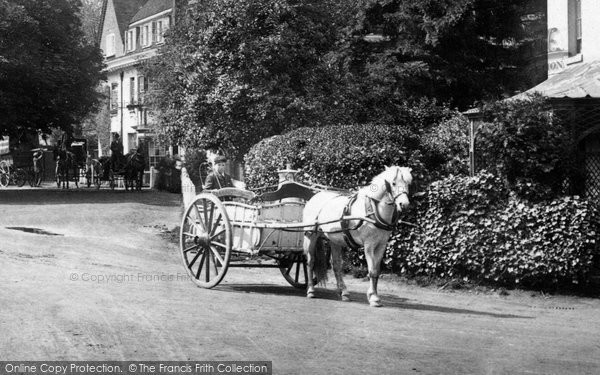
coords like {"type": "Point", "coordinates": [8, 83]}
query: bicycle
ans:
{"type": "Point", "coordinates": [9, 174]}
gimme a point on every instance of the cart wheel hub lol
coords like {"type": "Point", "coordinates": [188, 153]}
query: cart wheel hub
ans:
{"type": "Point", "coordinates": [202, 239]}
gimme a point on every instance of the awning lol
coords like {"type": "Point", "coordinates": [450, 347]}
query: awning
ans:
{"type": "Point", "coordinates": [580, 80]}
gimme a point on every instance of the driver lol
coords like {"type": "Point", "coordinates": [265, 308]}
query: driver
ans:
{"type": "Point", "coordinates": [218, 179]}
{"type": "Point", "coordinates": [116, 152]}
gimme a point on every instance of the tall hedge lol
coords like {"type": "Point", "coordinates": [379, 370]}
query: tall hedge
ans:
{"type": "Point", "coordinates": [524, 142]}
{"type": "Point", "coordinates": [469, 228]}
{"type": "Point", "coordinates": [344, 156]}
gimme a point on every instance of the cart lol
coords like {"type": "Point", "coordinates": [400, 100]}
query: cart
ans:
{"type": "Point", "coordinates": [236, 228]}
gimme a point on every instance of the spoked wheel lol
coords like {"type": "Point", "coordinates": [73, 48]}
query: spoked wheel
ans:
{"type": "Point", "coordinates": [4, 179]}
{"type": "Point", "coordinates": [294, 270]}
{"type": "Point", "coordinates": [4, 167]}
{"type": "Point", "coordinates": [205, 240]}
{"type": "Point", "coordinates": [20, 177]}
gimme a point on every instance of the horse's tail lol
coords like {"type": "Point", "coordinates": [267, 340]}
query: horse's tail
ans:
{"type": "Point", "coordinates": [321, 262]}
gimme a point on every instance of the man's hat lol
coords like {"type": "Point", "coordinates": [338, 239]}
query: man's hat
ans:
{"type": "Point", "coordinates": [220, 159]}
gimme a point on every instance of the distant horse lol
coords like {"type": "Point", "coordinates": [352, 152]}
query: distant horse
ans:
{"type": "Point", "coordinates": [65, 161]}
{"type": "Point", "coordinates": [134, 169]}
{"type": "Point", "coordinates": [377, 204]}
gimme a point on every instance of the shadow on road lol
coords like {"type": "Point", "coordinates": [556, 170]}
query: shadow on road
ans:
{"type": "Point", "coordinates": [388, 300]}
{"type": "Point", "coordinates": [87, 196]}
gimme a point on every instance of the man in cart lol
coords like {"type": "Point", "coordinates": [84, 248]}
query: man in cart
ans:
{"type": "Point", "coordinates": [218, 179]}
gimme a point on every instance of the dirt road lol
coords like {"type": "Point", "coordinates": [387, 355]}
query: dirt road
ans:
{"type": "Point", "coordinates": [104, 283]}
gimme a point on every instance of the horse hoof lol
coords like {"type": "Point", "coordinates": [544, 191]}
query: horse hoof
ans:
{"type": "Point", "coordinates": [346, 298]}
{"type": "Point", "coordinates": [310, 295]}
{"type": "Point", "coordinates": [375, 304]}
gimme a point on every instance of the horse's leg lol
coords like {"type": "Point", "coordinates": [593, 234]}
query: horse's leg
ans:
{"type": "Point", "coordinates": [336, 264]}
{"type": "Point", "coordinates": [310, 245]}
{"type": "Point", "coordinates": [374, 255]}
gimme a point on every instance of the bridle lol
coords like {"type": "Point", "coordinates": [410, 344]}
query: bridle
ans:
{"type": "Point", "coordinates": [390, 193]}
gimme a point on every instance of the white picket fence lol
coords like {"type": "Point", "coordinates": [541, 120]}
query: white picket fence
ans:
{"type": "Point", "coordinates": [188, 189]}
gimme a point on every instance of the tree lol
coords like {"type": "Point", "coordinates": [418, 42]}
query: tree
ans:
{"type": "Point", "coordinates": [235, 71]}
{"type": "Point", "coordinates": [48, 72]}
{"type": "Point", "coordinates": [90, 13]}
{"type": "Point", "coordinates": [457, 51]}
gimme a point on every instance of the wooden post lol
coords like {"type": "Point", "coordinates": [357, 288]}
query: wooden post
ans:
{"type": "Point", "coordinates": [471, 147]}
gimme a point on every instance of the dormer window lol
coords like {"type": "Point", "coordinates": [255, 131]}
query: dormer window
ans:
{"type": "Point", "coordinates": [145, 35]}
{"type": "Point", "coordinates": [110, 45]}
{"type": "Point", "coordinates": [131, 40]}
{"type": "Point", "coordinates": [162, 26]}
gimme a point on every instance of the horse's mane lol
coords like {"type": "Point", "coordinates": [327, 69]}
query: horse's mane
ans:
{"type": "Point", "coordinates": [377, 186]}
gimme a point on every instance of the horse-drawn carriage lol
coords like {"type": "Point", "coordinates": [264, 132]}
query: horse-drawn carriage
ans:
{"type": "Point", "coordinates": [291, 227]}
{"type": "Point", "coordinates": [73, 163]}
{"type": "Point", "coordinates": [128, 168]}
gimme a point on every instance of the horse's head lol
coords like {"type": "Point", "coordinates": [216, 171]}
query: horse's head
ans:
{"type": "Point", "coordinates": [395, 183]}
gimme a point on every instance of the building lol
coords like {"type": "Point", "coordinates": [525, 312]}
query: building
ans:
{"type": "Point", "coordinates": [131, 31]}
{"type": "Point", "coordinates": [573, 83]}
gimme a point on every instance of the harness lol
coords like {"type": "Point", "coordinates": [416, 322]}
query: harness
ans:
{"type": "Point", "coordinates": [371, 212]}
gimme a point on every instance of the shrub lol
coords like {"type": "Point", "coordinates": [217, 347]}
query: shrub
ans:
{"type": "Point", "coordinates": [344, 156]}
{"type": "Point", "coordinates": [193, 160]}
{"type": "Point", "coordinates": [526, 144]}
{"type": "Point", "coordinates": [446, 147]}
{"type": "Point", "coordinates": [470, 229]}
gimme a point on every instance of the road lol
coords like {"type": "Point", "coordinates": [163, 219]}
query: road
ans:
{"type": "Point", "coordinates": [102, 280]}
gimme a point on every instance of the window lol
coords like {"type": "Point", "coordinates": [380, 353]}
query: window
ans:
{"type": "Point", "coordinates": [131, 40]}
{"type": "Point", "coordinates": [159, 31]}
{"type": "Point", "coordinates": [578, 25]}
{"type": "Point", "coordinates": [132, 90]}
{"type": "Point", "coordinates": [145, 35]}
{"type": "Point", "coordinates": [154, 31]}
{"type": "Point", "coordinates": [575, 34]}
{"type": "Point", "coordinates": [162, 26]}
{"type": "Point", "coordinates": [110, 45]}
{"type": "Point", "coordinates": [142, 88]}
{"type": "Point", "coordinates": [131, 140]}
{"type": "Point", "coordinates": [114, 97]}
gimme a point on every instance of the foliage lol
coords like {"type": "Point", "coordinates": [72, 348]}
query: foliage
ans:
{"type": "Point", "coordinates": [193, 161]}
{"type": "Point", "coordinates": [525, 143]}
{"type": "Point", "coordinates": [96, 127]}
{"type": "Point", "coordinates": [469, 229]}
{"type": "Point", "coordinates": [455, 51]}
{"type": "Point", "coordinates": [233, 72]}
{"type": "Point", "coordinates": [48, 73]}
{"type": "Point", "coordinates": [426, 138]}
{"type": "Point", "coordinates": [89, 13]}
{"type": "Point", "coordinates": [344, 156]}
{"type": "Point", "coordinates": [447, 145]}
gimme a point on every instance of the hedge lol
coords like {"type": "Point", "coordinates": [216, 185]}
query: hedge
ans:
{"type": "Point", "coordinates": [344, 156]}
{"type": "Point", "coordinates": [471, 229]}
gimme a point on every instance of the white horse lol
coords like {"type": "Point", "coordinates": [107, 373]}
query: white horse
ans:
{"type": "Point", "coordinates": [374, 210]}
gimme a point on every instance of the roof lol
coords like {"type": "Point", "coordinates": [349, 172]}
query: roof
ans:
{"type": "Point", "coordinates": [578, 81]}
{"type": "Point", "coordinates": [151, 8]}
{"type": "Point", "coordinates": [124, 10]}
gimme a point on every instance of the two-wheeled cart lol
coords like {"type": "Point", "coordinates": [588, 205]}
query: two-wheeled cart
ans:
{"type": "Point", "coordinates": [230, 227]}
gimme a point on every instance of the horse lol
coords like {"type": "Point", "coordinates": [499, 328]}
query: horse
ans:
{"type": "Point", "coordinates": [65, 160]}
{"type": "Point", "coordinates": [134, 169]}
{"type": "Point", "coordinates": [374, 211]}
